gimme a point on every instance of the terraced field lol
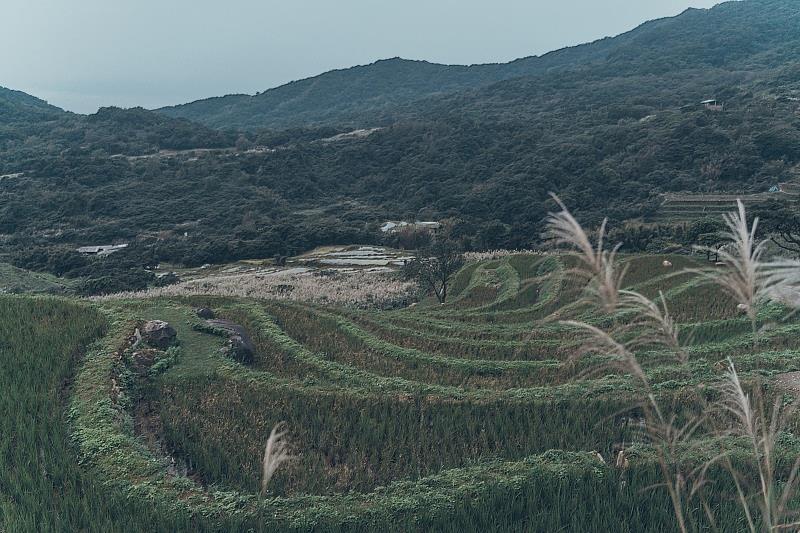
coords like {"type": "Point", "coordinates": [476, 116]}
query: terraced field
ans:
{"type": "Point", "coordinates": [477, 415]}
{"type": "Point", "coordinates": [690, 207]}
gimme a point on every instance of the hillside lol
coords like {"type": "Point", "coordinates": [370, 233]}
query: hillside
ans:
{"type": "Point", "coordinates": [16, 106]}
{"type": "Point", "coordinates": [611, 126]}
{"type": "Point", "coordinates": [337, 97]}
{"type": "Point", "coordinates": [363, 94]}
{"type": "Point", "coordinates": [475, 415]}
{"type": "Point", "coordinates": [753, 35]}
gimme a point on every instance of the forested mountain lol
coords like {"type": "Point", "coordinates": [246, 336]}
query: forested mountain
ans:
{"type": "Point", "coordinates": [359, 95]}
{"type": "Point", "coordinates": [609, 126]}
{"type": "Point", "coordinates": [16, 106]}
{"type": "Point", "coordinates": [753, 35]}
{"type": "Point", "coordinates": [369, 95]}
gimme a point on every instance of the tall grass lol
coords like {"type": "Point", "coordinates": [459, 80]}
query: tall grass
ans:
{"type": "Point", "coordinates": [42, 486]}
{"type": "Point", "coordinates": [759, 490]}
{"type": "Point", "coordinates": [753, 283]}
{"type": "Point", "coordinates": [749, 279]}
{"type": "Point", "coordinates": [596, 263]}
{"type": "Point", "coordinates": [453, 419]}
{"type": "Point", "coordinates": [363, 289]}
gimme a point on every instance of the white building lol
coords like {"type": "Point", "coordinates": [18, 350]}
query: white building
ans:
{"type": "Point", "coordinates": [105, 249]}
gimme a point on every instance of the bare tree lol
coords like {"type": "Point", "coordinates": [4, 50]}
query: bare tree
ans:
{"type": "Point", "coordinates": [782, 224]}
{"type": "Point", "coordinates": [435, 266]}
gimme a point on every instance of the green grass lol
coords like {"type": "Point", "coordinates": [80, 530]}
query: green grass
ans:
{"type": "Point", "coordinates": [17, 280]}
{"type": "Point", "coordinates": [42, 486]}
{"type": "Point", "coordinates": [468, 416]}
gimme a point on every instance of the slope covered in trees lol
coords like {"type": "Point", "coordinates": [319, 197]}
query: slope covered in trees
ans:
{"type": "Point", "coordinates": [752, 36]}
{"type": "Point", "coordinates": [609, 126]}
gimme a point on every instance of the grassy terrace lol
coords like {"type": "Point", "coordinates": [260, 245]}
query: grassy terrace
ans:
{"type": "Point", "coordinates": [690, 207]}
{"type": "Point", "coordinates": [469, 416]}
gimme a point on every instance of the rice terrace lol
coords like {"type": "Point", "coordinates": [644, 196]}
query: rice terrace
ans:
{"type": "Point", "coordinates": [490, 411]}
{"type": "Point", "coordinates": [424, 266]}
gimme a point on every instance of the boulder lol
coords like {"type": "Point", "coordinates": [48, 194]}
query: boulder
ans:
{"type": "Point", "coordinates": [159, 334]}
{"type": "Point", "coordinates": [240, 348]}
{"type": "Point", "coordinates": [205, 313]}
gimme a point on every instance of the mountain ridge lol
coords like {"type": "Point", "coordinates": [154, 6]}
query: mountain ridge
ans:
{"type": "Point", "coordinates": [611, 137]}
{"type": "Point", "coordinates": [308, 102]}
{"type": "Point", "coordinates": [18, 106]}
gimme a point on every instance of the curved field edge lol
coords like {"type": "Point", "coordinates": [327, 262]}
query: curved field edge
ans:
{"type": "Point", "coordinates": [42, 486]}
{"type": "Point", "coordinates": [109, 448]}
{"type": "Point", "coordinates": [462, 496]}
{"type": "Point", "coordinates": [108, 445]}
{"type": "Point", "coordinates": [504, 495]}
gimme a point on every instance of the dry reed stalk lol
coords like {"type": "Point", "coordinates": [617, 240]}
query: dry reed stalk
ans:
{"type": "Point", "coordinates": [761, 432]}
{"type": "Point", "coordinates": [750, 280]}
{"type": "Point", "coordinates": [655, 324]}
{"type": "Point", "coordinates": [276, 453]}
{"type": "Point", "coordinates": [597, 264]}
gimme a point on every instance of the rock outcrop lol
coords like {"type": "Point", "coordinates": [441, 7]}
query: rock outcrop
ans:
{"type": "Point", "coordinates": [239, 347]}
{"type": "Point", "coordinates": [159, 334]}
{"type": "Point", "coordinates": [205, 313]}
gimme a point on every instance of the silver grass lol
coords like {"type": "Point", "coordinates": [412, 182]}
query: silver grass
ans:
{"type": "Point", "coordinates": [598, 265]}
{"type": "Point", "coordinates": [597, 341]}
{"type": "Point", "coordinates": [750, 280]}
{"type": "Point", "coordinates": [668, 439]}
{"type": "Point", "coordinates": [360, 289]}
{"type": "Point", "coordinates": [276, 453]}
{"type": "Point", "coordinates": [782, 278]}
{"type": "Point", "coordinates": [653, 323]}
{"type": "Point", "coordinates": [761, 432]}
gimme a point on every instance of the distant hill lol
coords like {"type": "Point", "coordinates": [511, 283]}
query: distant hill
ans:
{"type": "Point", "coordinates": [613, 127]}
{"type": "Point", "coordinates": [340, 96]}
{"type": "Point", "coordinates": [366, 95]}
{"type": "Point", "coordinates": [16, 106]}
{"type": "Point", "coordinates": [751, 35]}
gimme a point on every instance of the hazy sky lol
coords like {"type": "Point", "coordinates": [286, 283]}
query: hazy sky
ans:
{"type": "Point", "coordinates": [82, 54]}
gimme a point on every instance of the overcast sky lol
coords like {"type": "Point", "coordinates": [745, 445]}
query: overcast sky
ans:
{"type": "Point", "coordinates": [82, 54]}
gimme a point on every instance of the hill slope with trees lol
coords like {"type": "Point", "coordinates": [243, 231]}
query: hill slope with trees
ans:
{"type": "Point", "coordinates": [753, 35]}
{"type": "Point", "coordinates": [611, 133]}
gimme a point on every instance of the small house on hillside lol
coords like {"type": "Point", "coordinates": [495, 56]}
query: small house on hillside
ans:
{"type": "Point", "coordinates": [395, 226]}
{"type": "Point", "coordinates": [775, 188]}
{"type": "Point", "coordinates": [105, 249]}
{"type": "Point", "coordinates": [712, 105]}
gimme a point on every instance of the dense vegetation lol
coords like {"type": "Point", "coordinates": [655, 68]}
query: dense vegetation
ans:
{"type": "Point", "coordinates": [343, 96]}
{"type": "Point", "coordinates": [609, 125]}
{"type": "Point", "coordinates": [42, 487]}
{"type": "Point", "coordinates": [464, 416]}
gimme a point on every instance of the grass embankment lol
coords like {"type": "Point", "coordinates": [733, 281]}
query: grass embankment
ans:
{"type": "Point", "coordinates": [469, 416]}
{"type": "Point", "coordinates": [42, 486]}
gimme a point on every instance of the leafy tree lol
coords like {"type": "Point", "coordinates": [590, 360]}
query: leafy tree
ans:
{"type": "Point", "coordinates": [711, 243]}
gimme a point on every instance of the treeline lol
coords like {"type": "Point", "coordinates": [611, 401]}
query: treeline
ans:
{"type": "Point", "coordinates": [610, 137]}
